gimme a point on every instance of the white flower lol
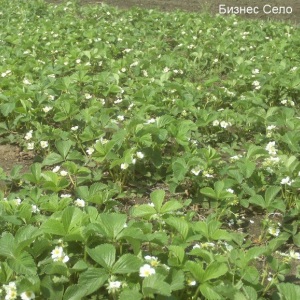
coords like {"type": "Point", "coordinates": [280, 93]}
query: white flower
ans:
{"type": "Point", "coordinates": [78, 61]}
{"type": "Point", "coordinates": [28, 295]}
{"type": "Point", "coordinates": [56, 169]}
{"type": "Point", "coordinates": [196, 246]}
{"type": "Point", "coordinates": [102, 141]}
{"type": "Point", "coordinates": [151, 204]}
{"type": "Point", "coordinates": [44, 144]}
{"type": "Point", "coordinates": [140, 155]}
{"type": "Point", "coordinates": [286, 180]}
{"type": "Point", "coordinates": [113, 286]}
{"type": "Point", "coordinates": [230, 191]}
{"type": "Point", "coordinates": [255, 71]}
{"type": "Point", "coordinates": [58, 255]}
{"type": "Point", "coordinates": [63, 173]}
{"type": "Point", "coordinates": [90, 150]}
{"type": "Point", "coordinates": [30, 146]}
{"type": "Point", "coordinates": [153, 260]}
{"type": "Point", "coordinates": [124, 166]}
{"type": "Point", "coordinates": [166, 70]}
{"type": "Point", "coordinates": [34, 209]}
{"type": "Point", "coordinates": [271, 127]}
{"type": "Point", "coordinates": [273, 231]}
{"type": "Point", "coordinates": [74, 128]}
{"type": "Point", "coordinates": [256, 84]}
{"type": "Point", "coordinates": [271, 148]}
{"type": "Point", "coordinates": [152, 120]}
{"type": "Point", "coordinates": [65, 196]}
{"type": "Point", "coordinates": [294, 255]}
{"type": "Point", "coordinates": [191, 282]}
{"type": "Point", "coordinates": [133, 161]}
{"type": "Point", "coordinates": [224, 124]}
{"type": "Point", "coordinates": [216, 123]}
{"type": "Point", "coordinates": [11, 291]}
{"type": "Point", "coordinates": [118, 101]}
{"type": "Point", "coordinates": [26, 81]}
{"type": "Point", "coordinates": [87, 96]}
{"type": "Point", "coordinates": [146, 270]}
{"type": "Point", "coordinates": [6, 73]}
{"type": "Point", "coordinates": [79, 202]}
{"type": "Point", "coordinates": [28, 135]}
{"type": "Point", "coordinates": [283, 102]}
{"type": "Point", "coordinates": [123, 70]}
{"type": "Point", "coordinates": [17, 201]}
{"type": "Point", "coordinates": [120, 118]}
{"type": "Point", "coordinates": [196, 170]}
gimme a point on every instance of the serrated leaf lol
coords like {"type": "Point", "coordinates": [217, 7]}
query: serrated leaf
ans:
{"type": "Point", "coordinates": [93, 279]}
{"type": "Point", "coordinates": [178, 252]}
{"type": "Point", "coordinates": [104, 255]}
{"type": "Point", "coordinates": [180, 225]}
{"type": "Point", "coordinates": [157, 198]}
{"type": "Point", "coordinates": [52, 159]}
{"type": "Point", "coordinates": [177, 280]}
{"type": "Point", "coordinates": [130, 295]}
{"type": "Point", "coordinates": [289, 291]}
{"type": "Point", "coordinates": [143, 210]}
{"type": "Point", "coordinates": [155, 284]}
{"type": "Point", "coordinates": [112, 224]}
{"type": "Point", "coordinates": [171, 205]}
{"type": "Point", "coordinates": [127, 263]}
{"type": "Point", "coordinates": [23, 264]}
{"type": "Point", "coordinates": [215, 270]}
{"type": "Point", "coordinates": [208, 292]}
{"type": "Point", "coordinates": [7, 245]}
{"type": "Point", "coordinates": [53, 226]}
{"type": "Point", "coordinates": [271, 193]}
{"type": "Point", "coordinates": [63, 148]}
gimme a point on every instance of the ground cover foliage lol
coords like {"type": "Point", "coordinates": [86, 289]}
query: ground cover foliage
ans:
{"type": "Point", "coordinates": [158, 137]}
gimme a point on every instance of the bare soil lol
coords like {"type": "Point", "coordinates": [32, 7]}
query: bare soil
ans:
{"type": "Point", "coordinates": [11, 156]}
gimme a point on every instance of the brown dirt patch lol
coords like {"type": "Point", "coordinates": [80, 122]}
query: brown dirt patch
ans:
{"type": "Point", "coordinates": [11, 156]}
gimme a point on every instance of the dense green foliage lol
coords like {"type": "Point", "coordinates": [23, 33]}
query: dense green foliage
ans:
{"type": "Point", "coordinates": [158, 136]}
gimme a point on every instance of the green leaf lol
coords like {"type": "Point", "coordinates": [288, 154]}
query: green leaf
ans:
{"type": "Point", "coordinates": [155, 284]}
{"type": "Point", "coordinates": [196, 270]}
{"type": "Point", "coordinates": [63, 148]}
{"type": "Point", "coordinates": [171, 205]}
{"type": "Point", "coordinates": [71, 219]}
{"type": "Point", "coordinates": [288, 291]}
{"type": "Point", "coordinates": [51, 290]}
{"type": "Point", "coordinates": [215, 270]}
{"type": "Point", "coordinates": [179, 168]}
{"type": "Point", "coordinates": [208, 292]}
{"type": "Point", "coordinates": [7, 245]}
{"type": "Point", "coordinates": [53, 226]}
{"type": "Point", "coordinates": [143, 210]}
{"type": "Point", "coordinates": [178, 280]}
{"type": "Point", "coordinates": [7, 108]}
{"type": "Point", "coordinates": [130, 295]}
{"type": "Point", "coordinates": [93, 279]}
{"type": "Point", "coordinates": [157, 197]}
{"type": "Point", "coordinates": [271, 193]}
{"type": "Point", "coordinates": [52, 159]}
{"type": "Point", "coordinates": [104, 255]}
{"type": "Point", "coordinates": [127, 263]}
{"type": "Point", "coordinates": [181, 225]}
{"type": "Point", "coordinates": [178, 252]}
{"type": "Point", "coordinates": [23, 264]}
{"type": "Point", "coordinates": [111, 224]}
{"type": "Point", "coordinates": [251, 275]}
